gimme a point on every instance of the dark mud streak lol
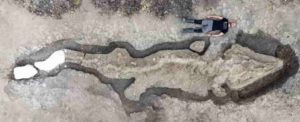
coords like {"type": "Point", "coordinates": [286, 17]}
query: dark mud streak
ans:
{"type": "Point", "coordinates": [259, 42]}
{"type": "Point", "coordinates": [71, 44]}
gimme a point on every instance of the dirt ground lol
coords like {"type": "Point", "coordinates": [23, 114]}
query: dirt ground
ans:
{"type": "Point", "coordinates": [75, 96]}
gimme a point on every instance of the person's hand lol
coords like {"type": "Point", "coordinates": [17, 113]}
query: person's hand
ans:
{"type": "Point", "coordinates": [209, 34]}
{"type": "Point", "coordinates": [216, 35]}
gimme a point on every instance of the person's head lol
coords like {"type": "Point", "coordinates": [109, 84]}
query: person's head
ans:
{"type": "Point", "coordinates": [232, 24]}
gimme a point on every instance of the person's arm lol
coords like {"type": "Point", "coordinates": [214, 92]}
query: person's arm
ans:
{"type": "Point", "coordinates": [214, 17]}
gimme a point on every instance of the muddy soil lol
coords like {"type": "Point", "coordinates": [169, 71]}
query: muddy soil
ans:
{"type": "Point", "coordinates": [76, 96]}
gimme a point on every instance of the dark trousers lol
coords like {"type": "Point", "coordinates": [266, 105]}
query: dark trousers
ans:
{"type": "Point", "coordinates": [198, 22]}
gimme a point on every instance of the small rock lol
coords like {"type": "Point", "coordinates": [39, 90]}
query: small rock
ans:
{"type": "Point", "coordinates": [197, 46]}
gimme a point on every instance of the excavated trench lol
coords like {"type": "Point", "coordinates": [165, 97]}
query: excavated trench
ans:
{"type": "Point", "coordinates": [254, 42]}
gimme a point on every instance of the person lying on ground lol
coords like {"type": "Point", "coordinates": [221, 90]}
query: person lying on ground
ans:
{"type": "Point", "coordinates": [211, 25]}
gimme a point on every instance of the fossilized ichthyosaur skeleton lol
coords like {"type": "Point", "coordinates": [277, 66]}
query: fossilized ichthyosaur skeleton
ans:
{"type": "Point", "coordinates": [234, 90]}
